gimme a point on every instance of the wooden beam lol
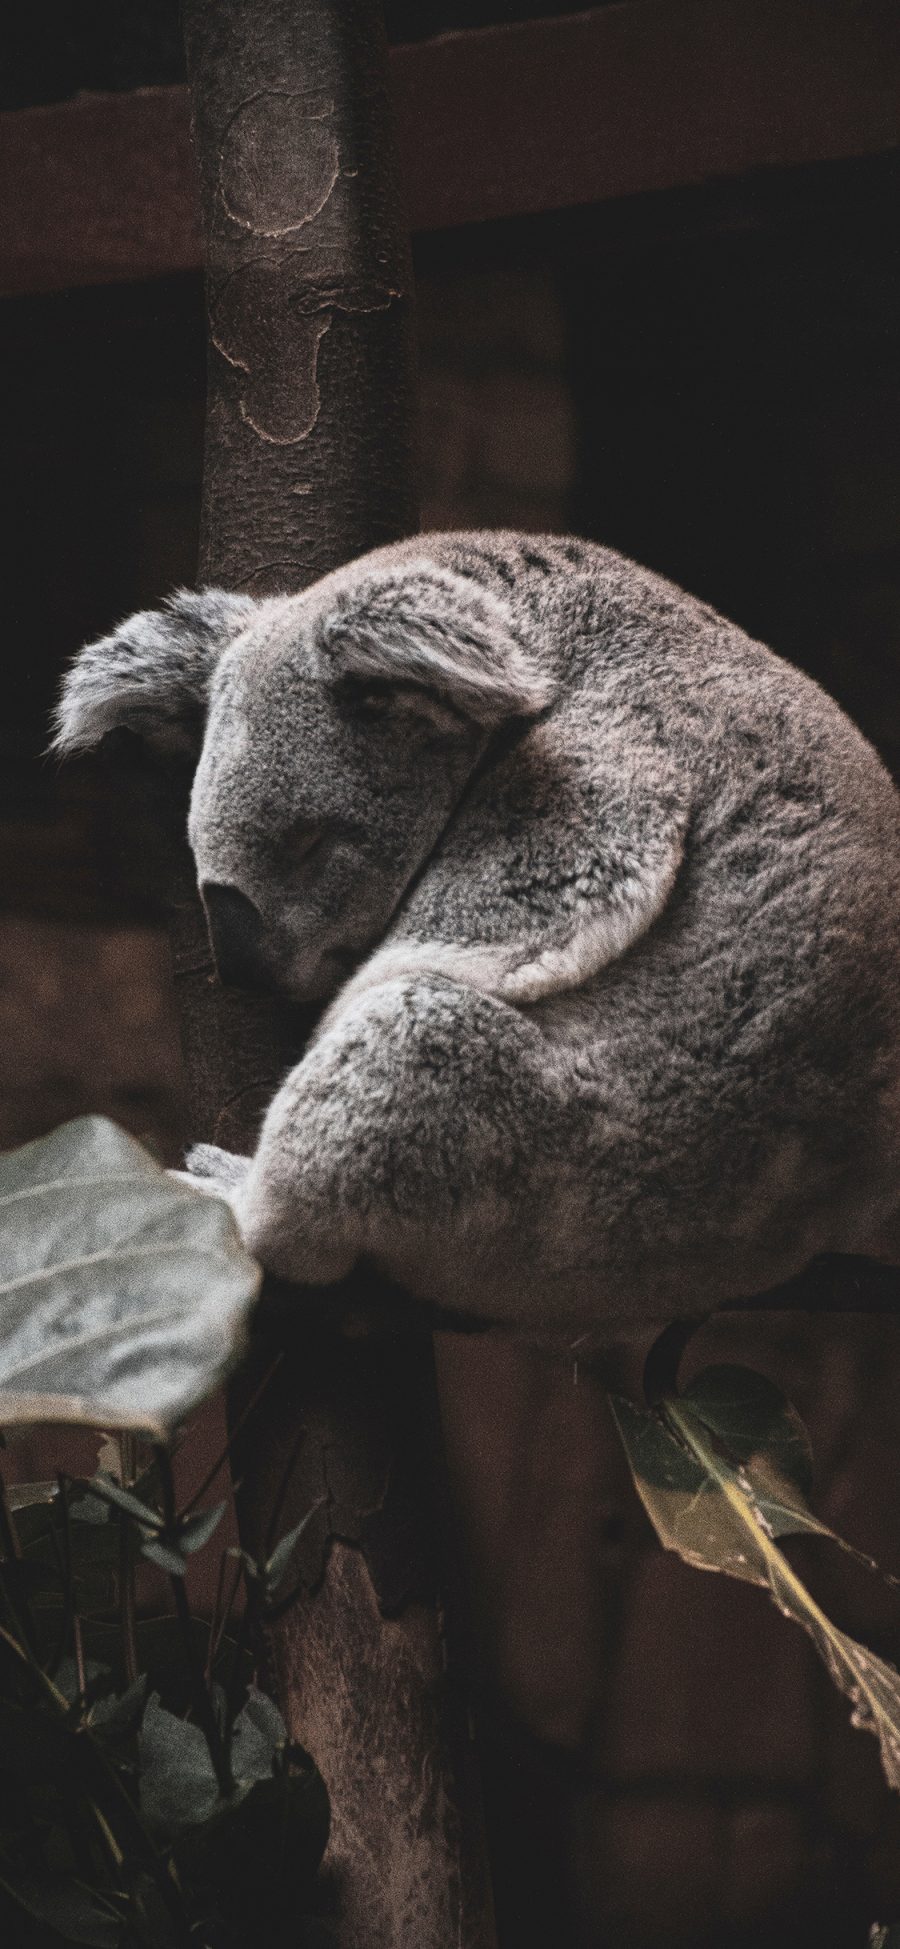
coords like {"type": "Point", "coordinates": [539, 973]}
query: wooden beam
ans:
{"type": "Point", "coordinates": [500, 122]}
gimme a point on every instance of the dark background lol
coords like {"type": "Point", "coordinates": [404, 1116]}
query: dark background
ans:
{"type": "Point", "coordinates": [709, 380]}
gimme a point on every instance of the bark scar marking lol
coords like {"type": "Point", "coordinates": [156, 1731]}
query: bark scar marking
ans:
{"type": "Point", "coordinates": [271, 183]}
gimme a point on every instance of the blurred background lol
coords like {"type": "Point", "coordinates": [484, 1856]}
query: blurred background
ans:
{"type": "Point", "coordinates": [708, 379]}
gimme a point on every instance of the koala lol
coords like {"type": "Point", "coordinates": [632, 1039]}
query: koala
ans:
{"type": "Point", "coordinates": [602, 903]}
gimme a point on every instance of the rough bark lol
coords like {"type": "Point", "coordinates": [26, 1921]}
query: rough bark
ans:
{"type": "Point", "coordinates": [308, 462]}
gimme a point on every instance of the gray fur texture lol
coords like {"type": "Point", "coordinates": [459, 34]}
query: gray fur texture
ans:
{"type": "Point", "coordinates": [605, 898]}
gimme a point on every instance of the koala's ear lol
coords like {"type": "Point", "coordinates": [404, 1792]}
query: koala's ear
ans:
{"type": "Point", "coordinates": [151, 675]}
{"type": "Point", "coordinates": [419, 629]}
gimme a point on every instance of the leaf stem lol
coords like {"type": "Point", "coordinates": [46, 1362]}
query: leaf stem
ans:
{"type": "Point", "coordinates": [105, 1788]}
{"type": "Point", "coordinates": [63, 1552]}
{"type": "Point", "coordinates": [200, 1695]}
{"type": "Point", "coordinates": [249, 1620]}
{"type": "Point", "coordinates": [127, 1613]}
{"type": "Point", "coordinates": [242, 1419]}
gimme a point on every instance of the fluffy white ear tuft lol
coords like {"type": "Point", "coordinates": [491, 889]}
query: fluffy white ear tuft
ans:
{"type": "Point", "coordinates": [151, 675]}
{"type": "Point", "coordinates": [427, 628]}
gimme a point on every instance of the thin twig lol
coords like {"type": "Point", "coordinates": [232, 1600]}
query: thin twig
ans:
{"type": "Point", "coordinates": [200, 1695]}
{"type": "Point", "coordinates": [64, 1558]}
{"type": "Point", "coordinates": [216, 1614]}
{"type": "Point", "coordinates": [287, 1476]}
{"type": "Point", "coordinates": [226, 1614]}
{"type": "Point", "coordinates": [80, 1667]}
{"type": "Point", "coordinates": [250, 1618]}
{"type": "Point", "coordinates": [127, 1612]}
{"type": "Point", "coordinates": [103, 1783]}
{"type": "Point", "coordinates": [233, 1432]}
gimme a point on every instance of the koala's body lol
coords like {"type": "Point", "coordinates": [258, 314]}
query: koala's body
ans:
{"type": "Point", "coordinates": [606, 900]}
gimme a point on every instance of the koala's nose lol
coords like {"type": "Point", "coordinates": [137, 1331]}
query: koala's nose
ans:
{"type": "Point", "coordinates": [236, 932]}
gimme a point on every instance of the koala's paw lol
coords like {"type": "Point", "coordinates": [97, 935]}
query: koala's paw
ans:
{"type": "Point", "coordinates": [216, 1173]}
{"type": "Point", "coordinates": [208, 1161]}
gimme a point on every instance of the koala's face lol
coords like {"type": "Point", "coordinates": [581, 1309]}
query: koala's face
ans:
{"type": "Point", "coordinates": [335, 732]}
{"type": "Point", "coordinates": [314, 802]}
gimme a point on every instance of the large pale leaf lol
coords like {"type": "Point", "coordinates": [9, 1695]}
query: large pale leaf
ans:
{"type": "Point", "coordinates": [123, 1294]}
{"type": "Point", "coordinates": [720, 1471]}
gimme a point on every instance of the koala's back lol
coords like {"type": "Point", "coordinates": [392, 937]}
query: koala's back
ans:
{"type": "Point", "coordinates": [733, 1079]}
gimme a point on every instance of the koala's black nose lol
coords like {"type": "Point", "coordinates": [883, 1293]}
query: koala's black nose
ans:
{"type": "Point", "coordinates": [236, 932]}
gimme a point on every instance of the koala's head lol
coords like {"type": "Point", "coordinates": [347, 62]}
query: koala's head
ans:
{"type": "Point", "coordinates": [335, 732]}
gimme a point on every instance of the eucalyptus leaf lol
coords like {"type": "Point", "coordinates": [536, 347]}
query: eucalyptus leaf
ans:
{"type": "Point", "coordinates": [164, 1552]}
{"type": "Point", "coordinates": [255, 1860]}
{"type": "Point", "coordinates": [26, 1495]}
{"type": "Point", "coordinates": [123, 1294]}
{"type": "Point", "coordinates": [178, 1785]}
{"type": "Point", "coordinates": [258, 1739]}
{"type": "Point", "coordinates": [754, 1419]}
{"type": "Point", "coordinates": [169, 1549]}
{"type": "Point", "coordinates": [98, 1679]}
{"type": "Point", "coordinates": [89, 1508]}
{"type": "Point", "coordinates": [109, 1491]}
{"type": "Point", "coordinates": [761, 1431]}
{"type": "Point", "coordinates": [94, 1545]}
{"type": "Point", "coordinates": [76, 1912]}
{"type": "Point", "coordinates": [195, 1531]}
{"type": "Point", "coordinates": [116, 1717]}
{"type": "Point", "coordinates": [280, 1560]}
{"type": "Point", "coordinates": [719, 1514]}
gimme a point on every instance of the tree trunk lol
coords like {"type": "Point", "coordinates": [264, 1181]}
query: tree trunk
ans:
{"type": "Point", "coordinates": [309, 462]}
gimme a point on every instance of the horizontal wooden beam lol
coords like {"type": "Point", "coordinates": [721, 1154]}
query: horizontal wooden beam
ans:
{"type": "Point", "coordinates": [508, 121]}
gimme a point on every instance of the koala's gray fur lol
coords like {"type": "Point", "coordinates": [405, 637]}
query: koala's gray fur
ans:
{"type": "Point", "coordinates": [607, 898]}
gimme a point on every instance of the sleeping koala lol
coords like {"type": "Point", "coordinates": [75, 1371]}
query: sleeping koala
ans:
{"type": "Point", "coordinates": [605, 902]}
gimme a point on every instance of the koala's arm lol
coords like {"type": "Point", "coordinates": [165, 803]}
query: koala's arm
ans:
{"type": "Point", "coordinates": [413, 1134]}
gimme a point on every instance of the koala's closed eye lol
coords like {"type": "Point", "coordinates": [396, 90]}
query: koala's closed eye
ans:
{"type": "Point", "coordinates": [380, 704]}
{"type": "Point", "coordinates": [304, 839]}
{"type": "Point", "coordinates": [304, 848]}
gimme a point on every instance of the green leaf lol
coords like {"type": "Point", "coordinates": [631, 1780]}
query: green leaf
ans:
{"type": "Point", "coordinates": [26, 1495]}
{"type": "Point", "coordinates": [255, 1859]}
{"type": "Point", "coordinates": [177, 1783]}
{"type": "Point", "coordinates": [719, 1514]}
{"type": "Point", "coordinates": [123, 1293]}
{"type": "Point", "coordinates": [97, 1678]}
{"type": "Point", "coordinates": [259, 1736]}
{"type": "Point", "coordinates": [764, 1435]}
{"type": "Point", "coordinates": [195, 1531]}
{"type": "Point", "coordinates": [755, 1420]}
{"type": "Point", "coordinates": [169, 1549]}
{"type": "Point", "coordinates": [89, 1509]}
{"type": "Point", "coordinates": [115, 1718]}
{"type": "Point", "coordinates": [76, 1912]}
{"type": "Point", "coordinates": [95, 1554]}
{"type": "Point", "coordinates": [164, 1552]}
{"type": "Point", "coordinates": [109, 1491]}
{"type": "Point", "coordinates": [280, 1559]}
